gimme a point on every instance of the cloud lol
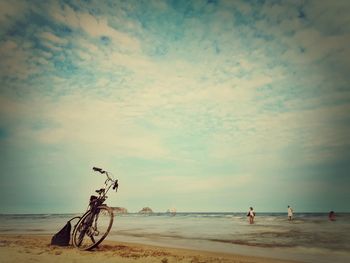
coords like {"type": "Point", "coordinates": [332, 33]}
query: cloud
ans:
{"type": "Point", "coordinates": [95, 27]}
{"type": "Point", "coordinates": [14, 60]}
{"type": "Point", "coordinates": [104, 128]}
{"type": "Point", "coordinates": [53, 38]}
{"type": "Point", "coordinates": [329, 18]}
{"type": "Point", "coordinates": [10, 13]}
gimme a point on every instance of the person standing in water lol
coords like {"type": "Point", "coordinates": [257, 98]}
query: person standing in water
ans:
{"type": "Point", "coordinates": [331, 216]}
{"type": "Point", "coordinates": [290, 213]}
{"type": "Point", "coordinates": [251, 215]}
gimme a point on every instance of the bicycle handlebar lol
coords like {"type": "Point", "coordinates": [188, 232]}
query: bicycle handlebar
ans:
{"type": "Point", "coordinates": [115, 181]}
{"type": "Point", "coordinates": [96, 169]}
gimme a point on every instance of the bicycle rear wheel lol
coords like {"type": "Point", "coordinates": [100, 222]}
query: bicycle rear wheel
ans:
{"type": "Point", "coordinates": [92, 229]}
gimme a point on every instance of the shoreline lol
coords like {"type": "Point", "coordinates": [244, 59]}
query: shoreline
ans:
{"type": "Point", "coordinates": [16, 248]}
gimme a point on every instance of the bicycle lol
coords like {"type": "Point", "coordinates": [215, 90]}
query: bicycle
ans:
{"type": "Point", "coordinates": [95, 224]}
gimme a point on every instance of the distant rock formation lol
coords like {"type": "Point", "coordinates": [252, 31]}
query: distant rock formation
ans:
{"type": "Point", "coordinates": [120, 210]}
{"type": "Point", "coordinates": [171, 211]}
{"type": "Point", "coordinates": [146, 210]}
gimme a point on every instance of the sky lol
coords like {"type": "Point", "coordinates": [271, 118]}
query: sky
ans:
{"type": "Point", "coordinates": [196, 105]}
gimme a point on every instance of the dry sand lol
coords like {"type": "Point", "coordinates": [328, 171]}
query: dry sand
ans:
{"type": "Point", "coordinates": [26, 248]}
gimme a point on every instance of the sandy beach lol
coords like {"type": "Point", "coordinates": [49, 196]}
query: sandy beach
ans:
{"type": "Point", "coordinates": [31, 248]}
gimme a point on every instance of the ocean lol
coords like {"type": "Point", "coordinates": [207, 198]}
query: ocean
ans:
{"type": "Point", "coordinates": [310, 237]}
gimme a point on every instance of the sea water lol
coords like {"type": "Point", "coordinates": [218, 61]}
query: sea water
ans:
{"type": "Point", "coordinates": [309, 237]}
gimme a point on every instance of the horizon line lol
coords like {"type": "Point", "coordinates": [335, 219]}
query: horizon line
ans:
{"type": "Point", "coordinates": [181, 212]}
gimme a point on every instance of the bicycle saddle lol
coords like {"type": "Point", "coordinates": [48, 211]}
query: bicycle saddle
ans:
{"type": "Point", "coordinates": [102, 190]}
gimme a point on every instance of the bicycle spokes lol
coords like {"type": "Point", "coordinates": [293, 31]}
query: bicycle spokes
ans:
{"type": "Point", "coordinates": [93, 228]}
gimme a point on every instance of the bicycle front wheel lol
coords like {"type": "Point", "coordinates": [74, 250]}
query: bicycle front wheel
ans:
{"type": "Point", "coordinates": [92, 228]}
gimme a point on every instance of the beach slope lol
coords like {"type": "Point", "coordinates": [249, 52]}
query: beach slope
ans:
{"type": "Point", "coordinates": [27, 248]}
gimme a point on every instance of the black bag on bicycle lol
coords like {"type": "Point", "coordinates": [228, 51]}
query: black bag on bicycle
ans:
{"type": "Point", "coordinates": [62, 237]}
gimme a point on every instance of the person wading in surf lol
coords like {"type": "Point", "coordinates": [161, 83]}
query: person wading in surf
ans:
{"type": "Point", "coordinates": [251, 215]}
{"type": "Point", "coordinates": [290, 213]}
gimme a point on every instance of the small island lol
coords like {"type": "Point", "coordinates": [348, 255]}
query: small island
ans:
{"type": "Point", "coordinates": [146, 210]}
